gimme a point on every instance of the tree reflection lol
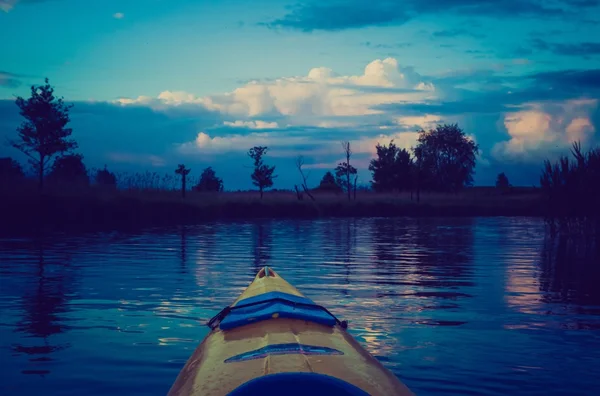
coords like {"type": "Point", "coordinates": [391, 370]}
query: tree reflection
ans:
{"type": "Point", "coordinates": [340, 244]}
{"type": "Point", "coordinates": [45, 303]}
{"type": "Point", "coordinates": [569, 270]}
{"type": "Point", "coordinates": [423, 252]}
{"type": "Point", "coordinates": [261, 245]}
{"type": "Point", "coordinates": [183, 231]}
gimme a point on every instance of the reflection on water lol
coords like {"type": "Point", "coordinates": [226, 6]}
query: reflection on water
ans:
{"type": "Point", "coordinates": [452, 306]}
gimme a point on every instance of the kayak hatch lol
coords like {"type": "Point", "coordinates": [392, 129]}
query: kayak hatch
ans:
{"type": "Point", "coordinates": [274, 340]}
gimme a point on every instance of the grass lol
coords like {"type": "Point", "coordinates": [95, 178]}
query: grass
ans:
{"type": "Point", "coordinates": [93, 207]}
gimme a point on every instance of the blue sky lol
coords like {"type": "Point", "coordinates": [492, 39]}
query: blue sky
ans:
{"type": "Point", "coordinates": [160, 82]}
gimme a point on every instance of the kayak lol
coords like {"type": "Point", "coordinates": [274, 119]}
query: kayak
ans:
{"type": "Point", "coordinates": [274, 340]}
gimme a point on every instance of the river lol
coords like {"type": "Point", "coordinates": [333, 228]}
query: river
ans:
{"type": "Point", "coordinates": [451, 306]}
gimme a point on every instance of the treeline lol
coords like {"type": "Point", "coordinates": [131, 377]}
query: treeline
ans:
{"type": "Point", "coordinates": [443, 160]}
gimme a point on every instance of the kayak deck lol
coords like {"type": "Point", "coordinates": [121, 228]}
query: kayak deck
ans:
{"type": "Point", "coordinates": [273, 329]}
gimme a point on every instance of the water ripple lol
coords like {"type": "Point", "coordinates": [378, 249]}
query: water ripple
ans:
{"type": "Point", "coordinates": [451, 306]}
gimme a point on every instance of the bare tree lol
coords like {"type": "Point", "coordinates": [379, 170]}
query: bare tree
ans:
{"type": "Point", "coordinates": [345, 169]}
{"type": "Point", "coordinates": [299, 164]}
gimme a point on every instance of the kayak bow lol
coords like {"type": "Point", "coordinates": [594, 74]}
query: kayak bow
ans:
{"type": "Point", "coordinates": [274, 340]}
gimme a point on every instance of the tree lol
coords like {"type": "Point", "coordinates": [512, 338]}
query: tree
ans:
{"type": "Point", "coordinates": [209, 181]}
{"type": "Point", "coordinates": [69, 169]}
{"type": "Point", "coordinates": [502, 182]}
{"type": "Point", "coordinates": [10, 172]}
{"type": "Point", "coordinates": [344, 170]}
{"type": "Point", "coordinates": [299, 164]}
{"type": "Point", "coordinates": [392, 169]}
{"type": "Point", "coordinates": [43, 134]}
{"type": "Point", "coordinates": [447, 158]}
{"type": "Point", "coordinates": [106, 178]}
{"type": "Point", "coordinates": [328, 183]}
{"type": "Point", "coordinates": [183, 172]}
{"type": "Point", "coordinates": [262, 177]}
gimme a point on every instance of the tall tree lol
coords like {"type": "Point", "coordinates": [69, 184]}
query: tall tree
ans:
{"type": "Point", "coordinates": [183, 172]}
{"type": "Point", "coordinates": [344, 170]}
{"type": "Point", "coordinates": [209, 181]}
{"type": "Point", "coordinates": [69, 169]}
{"type": "Point", "coordinates": [43, 134]}
{"type": "Point", "coordinates": [447, 157]}
{"type": "Point", "coordinates": [262, 177]}
{"type": "Point", "coordinates": [392, 169]}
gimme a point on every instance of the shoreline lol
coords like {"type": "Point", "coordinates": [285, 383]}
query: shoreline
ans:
{"type": "Point", "coordinates": [116, 210]}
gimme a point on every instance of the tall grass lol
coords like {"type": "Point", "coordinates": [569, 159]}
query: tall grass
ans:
{"type": "Point", "coordinates": [571, 189]}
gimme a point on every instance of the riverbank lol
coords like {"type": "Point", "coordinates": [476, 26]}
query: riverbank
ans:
{"type": "Point", "coordinates": [116, 209]}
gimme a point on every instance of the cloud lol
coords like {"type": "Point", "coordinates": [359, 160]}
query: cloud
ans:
{"type": "Point", "coordinates": [543, 128]}
{"type": "Point", "coordinates": [583, 49]}
{"type": "Point", "coordinates": [456, 33]}
{"type": "Point", "coordinates": [118, 15]}
{"type": "Point", "coordinates": [385, 46]}
{"type": "Point", "coordinates": [320, 93]}
{"type": "Point", "coordinates": [7, 5]}
{"type": "Point", "coordinates": [204, 143]}
{"type": "Point", "coordinates": [252, 124]}
{"type": "Point", "coordinates": [340, 15]}
{"type": "Point", "coordinates": [352, 14]}
{"type": "Point", "coordinates": [9, 80]}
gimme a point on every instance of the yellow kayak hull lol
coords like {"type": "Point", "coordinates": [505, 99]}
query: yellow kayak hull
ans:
{"type": "Point", "coordinates": [253, 348]}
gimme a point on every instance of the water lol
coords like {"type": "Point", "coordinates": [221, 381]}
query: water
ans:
{"type": "Point", "coordinates": [451, 306]}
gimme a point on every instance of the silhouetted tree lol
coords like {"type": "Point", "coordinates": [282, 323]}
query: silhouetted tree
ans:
{"type": "Point", "coordinates": [391, 169]}
{"type": "Point", "coordinates": [69, 169]}
{"type": "Point", "coordinates": [502, 182]}
{"type": "Point", "coordinates": [344, 170]}
{"type": "Point", "coordinates": [43, 134]}
{"type": "Point", "coordinates": [328, 183]}
{"type": "Point", "coordinates": [209, 181]}
{"type": "Point", "coordinates": [11, 172]}
{"type": "Point", "coordinates": [262, 177]}
{"type": "Point", "coordinates": [447, 157]}
{"type": "Point", "coordinates": [299, 164]}
{"type": "Point", "coordinates": [183, 172]}
{"type": "Point", "coordinates": [106, 178]}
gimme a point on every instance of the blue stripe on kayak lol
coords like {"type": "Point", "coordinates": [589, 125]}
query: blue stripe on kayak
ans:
{"type": "Point", "coordinates": [283, 349]}
{"type": "Point", "coordinates": [275, 294]}
{"type": "Point", "coordinates": [300, 384]}
{"type": "Point", "coordinates": [266, 307]}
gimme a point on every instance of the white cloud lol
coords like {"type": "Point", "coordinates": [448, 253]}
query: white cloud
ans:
{"type": "Point", "coordinates": [204, 143]}
{"type": "Point", "coordinates": [320, 93]}
{"type": "Point", "coordinates": [367, 145]}
{"type": "Point", "coordinates": [542, 128]}
{"type": "Point", "coordinates": [119, 15]}
{"type": "Point", "coordinates": [252, 124]}
{"type": "Point", "coordinates": [426, 121]}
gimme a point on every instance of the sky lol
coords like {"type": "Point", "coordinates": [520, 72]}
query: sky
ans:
{"type": "Point", "coordinates": [155, 83]}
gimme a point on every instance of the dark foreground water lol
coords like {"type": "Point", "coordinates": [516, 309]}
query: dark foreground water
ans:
{"type": "Point", "coordinates": [452, 306]}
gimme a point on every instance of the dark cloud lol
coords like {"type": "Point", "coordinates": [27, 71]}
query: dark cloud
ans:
{"type": "Point", "coordinates": [457, 33]}
{"type": "Point", "coordinates": [583, 49]}
{"type": "Point", "coordinates": [102, 128]}
{"type": "Point", "coordinates": [10, 80]}
{"type": "Point", "coordinates": [351, 14]}
{"type": "Point", "coordinates": [385, 46]}
{"type": "Point", "coordinates": [537, 87]}
{"type": "Point", "coordinates": [340, 16]}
